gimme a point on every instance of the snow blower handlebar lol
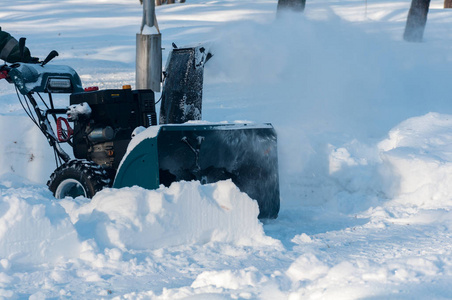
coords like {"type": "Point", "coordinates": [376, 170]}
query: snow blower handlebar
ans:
{"type": "Point", "coordinates": [31, 79]}
{"type": "Point", "coordinates": [4, 72]}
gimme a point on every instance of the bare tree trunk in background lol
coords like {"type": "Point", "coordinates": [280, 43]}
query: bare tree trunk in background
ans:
{"type": "Point", "coordinates": [417, 18]}
{"type": "Point", "coordinates": [160, 2]}
{"type": "Point", "coordinates": [296, 5]}
{"type": "Point", "coordinates": [447, 3]}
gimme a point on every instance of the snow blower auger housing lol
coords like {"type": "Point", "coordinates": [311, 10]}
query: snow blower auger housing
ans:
{"type": "Point", "coordinates": [104, 122]}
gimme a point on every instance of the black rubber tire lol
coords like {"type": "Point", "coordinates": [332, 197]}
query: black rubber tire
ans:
{"type": "Point", "coordinates": [78, 178]}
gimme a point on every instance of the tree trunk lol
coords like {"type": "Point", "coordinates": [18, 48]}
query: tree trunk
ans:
{"type": "Point", "coordinates": [417, 18]}
{"type": "Point", "coordinates": [296, 5]}
{"type": "Point", "coordinates": [447, 3]}
{"type": "Point", "coordinates": [170, 1]}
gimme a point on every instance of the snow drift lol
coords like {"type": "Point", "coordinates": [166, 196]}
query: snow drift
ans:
{"type": "Point", "coordinates": [34, 227]}
{"type": "Point", "coordinates": [184, 213]}
{"type": "Point", "coordinates": [418, 154]}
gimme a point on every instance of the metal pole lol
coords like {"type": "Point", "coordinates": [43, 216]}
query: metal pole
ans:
{"type": "Point", "coordinates": [148, 14]}
{"type": "Point", "coordinates": [149, 51]}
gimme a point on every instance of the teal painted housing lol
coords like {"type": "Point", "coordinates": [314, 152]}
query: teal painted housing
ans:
{"type": "Point", "coordinates": [140, 167]}
{"type": "Point", "coordinates": [245, 153]}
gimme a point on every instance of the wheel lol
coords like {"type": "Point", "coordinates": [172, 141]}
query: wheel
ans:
{"type": "Point", "coordinates": [78, 178]}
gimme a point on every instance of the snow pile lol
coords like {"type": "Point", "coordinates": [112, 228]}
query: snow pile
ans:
{"type": "Point", "coordinates": [33, 228]}
{"type": "Point", "coordinates": [184, 213]}
{"type": "Point", "coordinates": [312, 278]}
{"type": "Point", "coordinates": [306, 267]}
{"type": "Point", "coordinates": [36, 228]}
{"type": "Point", "coordinates": [412, 167]}
{"type": "Point", "coordinates": [229, 279]}
{"type": "Point", "coordinates": [418, 154]}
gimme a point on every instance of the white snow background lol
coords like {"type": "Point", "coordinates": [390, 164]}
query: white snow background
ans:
{"type": "Point", "coordinates": [364, 123]}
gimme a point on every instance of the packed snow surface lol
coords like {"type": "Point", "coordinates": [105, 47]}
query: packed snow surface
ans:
{"type": "Point", "coordinates": [364, 123]}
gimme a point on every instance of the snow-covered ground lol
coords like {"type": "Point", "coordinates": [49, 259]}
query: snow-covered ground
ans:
{"type": "Point", "coordinates": [364, 124]}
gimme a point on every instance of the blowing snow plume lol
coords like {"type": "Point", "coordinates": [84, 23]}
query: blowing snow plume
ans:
{"type": "Point", "coordinates": [324, 84]}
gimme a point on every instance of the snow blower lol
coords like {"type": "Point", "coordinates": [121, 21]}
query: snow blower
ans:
{"type": "Point", "coordinates": [179, 148]}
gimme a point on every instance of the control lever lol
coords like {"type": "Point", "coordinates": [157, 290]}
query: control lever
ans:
{"type": "Point", "coordinates": [22, 48]}
{"type": "Point", "coordinates": [49, 57]}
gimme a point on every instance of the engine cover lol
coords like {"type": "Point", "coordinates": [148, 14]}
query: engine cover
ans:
{"type": "Point", "coordinates": [120, 110]}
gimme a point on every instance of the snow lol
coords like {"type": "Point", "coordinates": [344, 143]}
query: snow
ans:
{"type": "Point", "coordinates": [34, 229]}
{"type": "Point", "coordinates": [76, 110]}
{"type": "Point", "coordinates": [364, 123]}
{"type": "Point", "coordinates": [139, 219]}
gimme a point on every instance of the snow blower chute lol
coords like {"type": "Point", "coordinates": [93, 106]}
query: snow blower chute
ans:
{"type": "Point", "coordinates": [104, 121]}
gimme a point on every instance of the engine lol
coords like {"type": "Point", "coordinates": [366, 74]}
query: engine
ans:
{"type": "Point", "coordinates": [103, 128]}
